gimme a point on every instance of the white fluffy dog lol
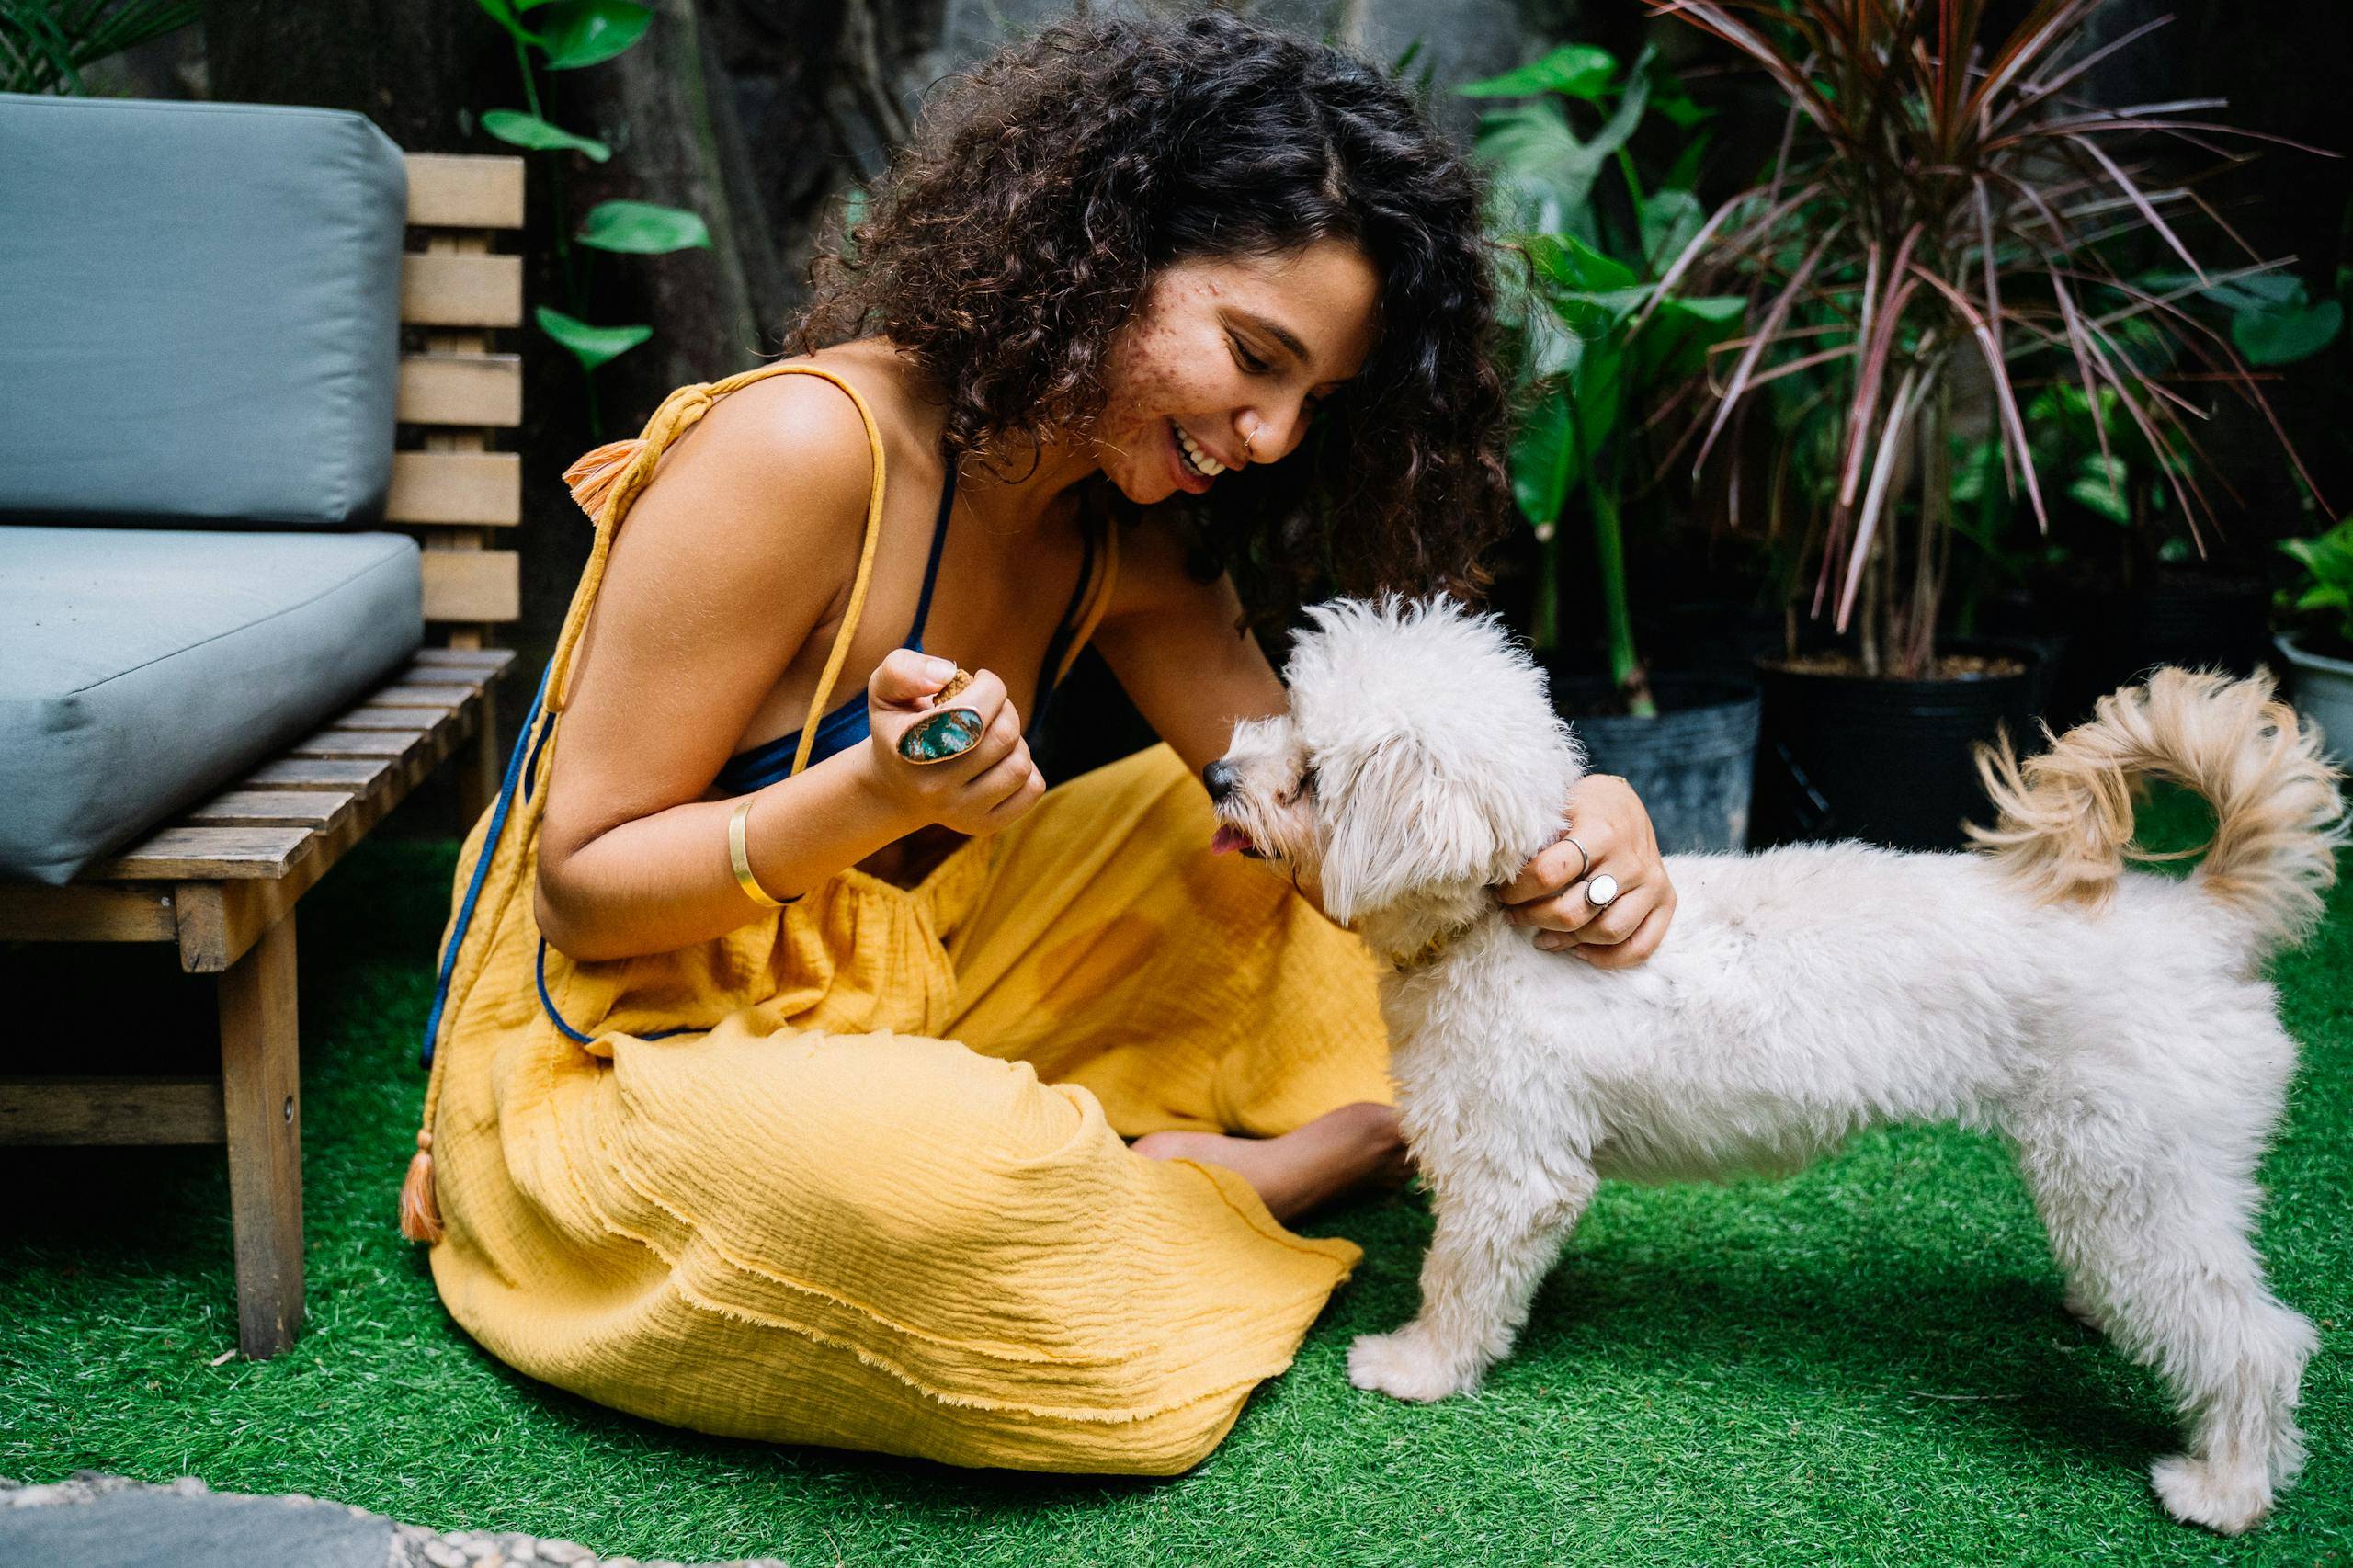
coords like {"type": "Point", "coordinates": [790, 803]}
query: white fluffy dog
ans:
{"type": "Point", "coordinates": [2114, 1029]}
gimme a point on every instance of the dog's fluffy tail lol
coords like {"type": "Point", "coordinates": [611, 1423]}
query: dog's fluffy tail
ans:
{"type": "Point", "coordinates": [2065, 828]}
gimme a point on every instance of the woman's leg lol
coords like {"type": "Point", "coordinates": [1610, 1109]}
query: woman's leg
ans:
{"type": "Point", "coordinates": [1213, 1012]}
{"type": "Point", "coordinates": [1357, 1146]}
{"type": "Point", "coordinates": [880, 1242]}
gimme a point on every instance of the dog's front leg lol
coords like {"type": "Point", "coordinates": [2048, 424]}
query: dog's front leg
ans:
{"type": "Point", "coordinates": [1496, 1237]}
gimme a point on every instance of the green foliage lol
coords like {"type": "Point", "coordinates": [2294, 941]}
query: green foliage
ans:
{"type": "Point", "coordinates": [567, 35]}
{"type": "Point", "coordinates": [642, 228]}
{"type": "Point", "coordinates": [592, 346]}
{"type": "Point", "coordinates": [45, 44]}
{"type": "Point", "coordinates": [516, 129]}
{"type": "Point", "coordinates": [1597, 335]}
{"type": "Point", "coordinates": [1573, 71]}
{"type": "Point", "coordinates": [2325, 592]}
{"type": "Point", "coordinates": [589, 32]}
{"type": "Point", "coordinates": [1544, 172]}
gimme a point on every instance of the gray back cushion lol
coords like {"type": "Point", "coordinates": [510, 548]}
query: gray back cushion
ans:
{"type": "Point", "coordinates": [202, 309]}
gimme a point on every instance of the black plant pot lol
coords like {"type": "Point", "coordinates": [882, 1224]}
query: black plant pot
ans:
{"type": "Point", "coordinates": [2188, 619]}
{"type": "Point", "coordinates": [1884, 761]}
{"type": "Point", "coordinates": [1693, 765]}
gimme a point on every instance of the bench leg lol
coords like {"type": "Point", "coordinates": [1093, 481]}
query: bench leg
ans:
{"type": "Point", "coordinates": [261, 1093]}
{"type": "Point", "coordinates": [481, 765]}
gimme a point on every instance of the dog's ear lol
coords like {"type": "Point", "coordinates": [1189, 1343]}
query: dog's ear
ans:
{"type": "Point", "coordinates": [1395, 823]}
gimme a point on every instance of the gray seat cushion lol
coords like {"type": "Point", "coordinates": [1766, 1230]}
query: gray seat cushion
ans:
{"type": "Point", "coordinates": [140, 670]}
{"type": "Point", "coordinates": [203, 312]}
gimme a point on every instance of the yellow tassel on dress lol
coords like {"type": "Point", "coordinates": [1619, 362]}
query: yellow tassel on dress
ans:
{"type": "Point", "coordinates": [420, 1213]}
{"type": "Point", "coordinates": [593, 474]}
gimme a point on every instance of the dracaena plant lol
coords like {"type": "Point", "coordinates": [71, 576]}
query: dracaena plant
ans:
{"type": "Point", "coordinates": [1947, 218]}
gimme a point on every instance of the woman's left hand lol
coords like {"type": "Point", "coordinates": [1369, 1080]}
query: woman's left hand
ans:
{"type": "Point", "coordinates": [1609, 825]}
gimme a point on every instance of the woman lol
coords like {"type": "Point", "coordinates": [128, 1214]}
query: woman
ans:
{"type": "Point", "coordinates": [783, 1082]}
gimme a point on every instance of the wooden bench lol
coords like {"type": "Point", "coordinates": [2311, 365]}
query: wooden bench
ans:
{"type": "Point", "coordinates": [221, 881]}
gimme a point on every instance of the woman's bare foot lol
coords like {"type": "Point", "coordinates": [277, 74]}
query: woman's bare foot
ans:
{"type": "Point", "coordinates": [1357, 1145]}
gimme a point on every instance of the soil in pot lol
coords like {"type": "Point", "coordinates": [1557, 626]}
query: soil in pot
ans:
{"type": "Point", "coordinates": [1693, 765]}
{"type": "Point", "coordinates": [1842, 756]}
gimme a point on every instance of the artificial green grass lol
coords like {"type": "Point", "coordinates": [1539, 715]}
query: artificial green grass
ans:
{"type": "Point", "coordinates": [1868, 1362]}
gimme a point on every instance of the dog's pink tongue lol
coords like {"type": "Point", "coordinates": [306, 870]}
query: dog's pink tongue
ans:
{"type": "Point", "coordinates": [1229, 839]}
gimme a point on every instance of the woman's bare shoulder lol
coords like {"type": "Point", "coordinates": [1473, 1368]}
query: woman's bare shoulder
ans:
{"type": "Point", "coordinates": [789, 446]}
{"type": "Point", "coordinates": [727, 563]}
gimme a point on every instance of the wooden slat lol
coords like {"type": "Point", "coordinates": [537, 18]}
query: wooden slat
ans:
{"type": "Point", "coordinates": [421, 694]}
{"type": "Point", "coordinates": [461, 291]}
{"type": "Point", "coordinates": [472, 585]}
{"type": "Point", "coordinates": [112, 1110]}
{"type": "Point", "coordinates": [386, 716]}
{"type": "Point", "coordinates": [180, 854]}
{"type": "Point", "coordinates": [314, 809]}
{"type": "Point", "coordinates": [465, 191]}
{"type": "Point", "coordinates": [348, 776]}
{"type": "Point", "coordinates": [32, 912]}
{"type": "Point", "coordinates": [476, 659]}
{"type": "Point", "coordinates": [263, 829]}
{"type": "Point", "coordinates": [340, 742]}
{"type": "Point", "coordinates": [462, 389]}
{"type": "Point", "coordinates": [485, 489]}
{"type": "Point", "coordinates": [221, 921]}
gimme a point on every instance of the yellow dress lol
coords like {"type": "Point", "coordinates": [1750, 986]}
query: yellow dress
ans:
{"type": "Point", "coordinates": [853, 1174]}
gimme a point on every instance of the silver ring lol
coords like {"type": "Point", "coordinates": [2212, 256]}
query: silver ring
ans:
{"type": "Point", "coordinates": [1584, 862]}
{"type": "Point", "coordinates": [1601, 891]}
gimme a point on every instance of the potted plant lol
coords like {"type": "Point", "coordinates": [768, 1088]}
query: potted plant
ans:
{"type": "Point", "coordinates": [2322, 653]}
{"type": "Point", "coordinates": [1937, 226]}
{"type": "Point", "coordinates": [1585, 373]}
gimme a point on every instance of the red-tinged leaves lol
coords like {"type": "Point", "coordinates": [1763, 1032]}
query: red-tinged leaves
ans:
{"type": "Point", "coordinates": [1930, 181]}
{"type": "Point", "coordinates": [2148, 209]}
{"type": "Point", "coordinates": [1891, 445]}
{"type": "Point", "coordinates": [1997, 367]}
{"type": "Point", "coordinates": [1773, 317]}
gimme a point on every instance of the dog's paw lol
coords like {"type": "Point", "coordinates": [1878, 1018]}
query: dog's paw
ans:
{"type": "Point", "coordinates": [1406, 1365]}
{"type": "Point", "coordinates": [2197, 1492]}
{"type": "Point", "coordinates": [2084, 1310]}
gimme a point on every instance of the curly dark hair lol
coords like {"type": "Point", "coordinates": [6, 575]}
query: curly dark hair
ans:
{"type": "Point", "coordinates": [1007, 245]}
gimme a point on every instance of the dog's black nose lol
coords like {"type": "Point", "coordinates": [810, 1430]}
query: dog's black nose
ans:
{"type": "Point", "coordinates": [1219, 777]}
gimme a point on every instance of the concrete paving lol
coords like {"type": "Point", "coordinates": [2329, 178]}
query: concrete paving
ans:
{"type": "Point", "coordinates": [93, 1520]}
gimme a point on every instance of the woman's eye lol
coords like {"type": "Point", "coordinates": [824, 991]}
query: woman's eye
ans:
{"type": "Point", "coordinates": [1248, 360]}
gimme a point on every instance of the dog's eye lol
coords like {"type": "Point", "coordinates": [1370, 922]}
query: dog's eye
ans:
{"type": "Point", "coordinates": [1307, 781]}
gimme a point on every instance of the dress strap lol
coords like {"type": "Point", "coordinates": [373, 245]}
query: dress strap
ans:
{"type": "Point", "coordinates": [1098, 601]}
{"type": "Point", "coordinates": [939, 543]}
{"type": "Point", "coordinates": [839, 653]}
{"type": "Point", "coordinates": [608, 480]}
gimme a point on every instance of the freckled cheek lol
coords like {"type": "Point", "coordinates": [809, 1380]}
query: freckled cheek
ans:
{"type": "Point", "coordinates": [1163, 371]}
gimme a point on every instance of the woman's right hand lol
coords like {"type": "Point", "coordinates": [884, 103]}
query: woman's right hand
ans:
{"type": "Point", "coordinates": [979, 792]}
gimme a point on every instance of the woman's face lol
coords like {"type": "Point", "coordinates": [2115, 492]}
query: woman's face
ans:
{"type": "Point", "coordinates": [1224, 362]}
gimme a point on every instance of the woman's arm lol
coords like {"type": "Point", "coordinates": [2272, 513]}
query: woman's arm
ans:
{"type": "Point", "coordinates": [1177, 646]}
{"type": "Point", "coordinates": [724, 571]}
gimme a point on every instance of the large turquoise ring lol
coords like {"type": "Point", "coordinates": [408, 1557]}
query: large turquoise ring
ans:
{"type": "Point", "coordinates": [936, 737]}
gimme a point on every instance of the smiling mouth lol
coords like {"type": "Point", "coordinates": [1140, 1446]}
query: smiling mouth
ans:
{"type": "Point", "coordinates": [1195, 462]}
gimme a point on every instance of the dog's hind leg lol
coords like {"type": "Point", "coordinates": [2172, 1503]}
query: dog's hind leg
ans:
{"type": "Point", "coordinates": [1496, 1237]}
{"type": "Point", "coordinates": [2152, 1231]}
